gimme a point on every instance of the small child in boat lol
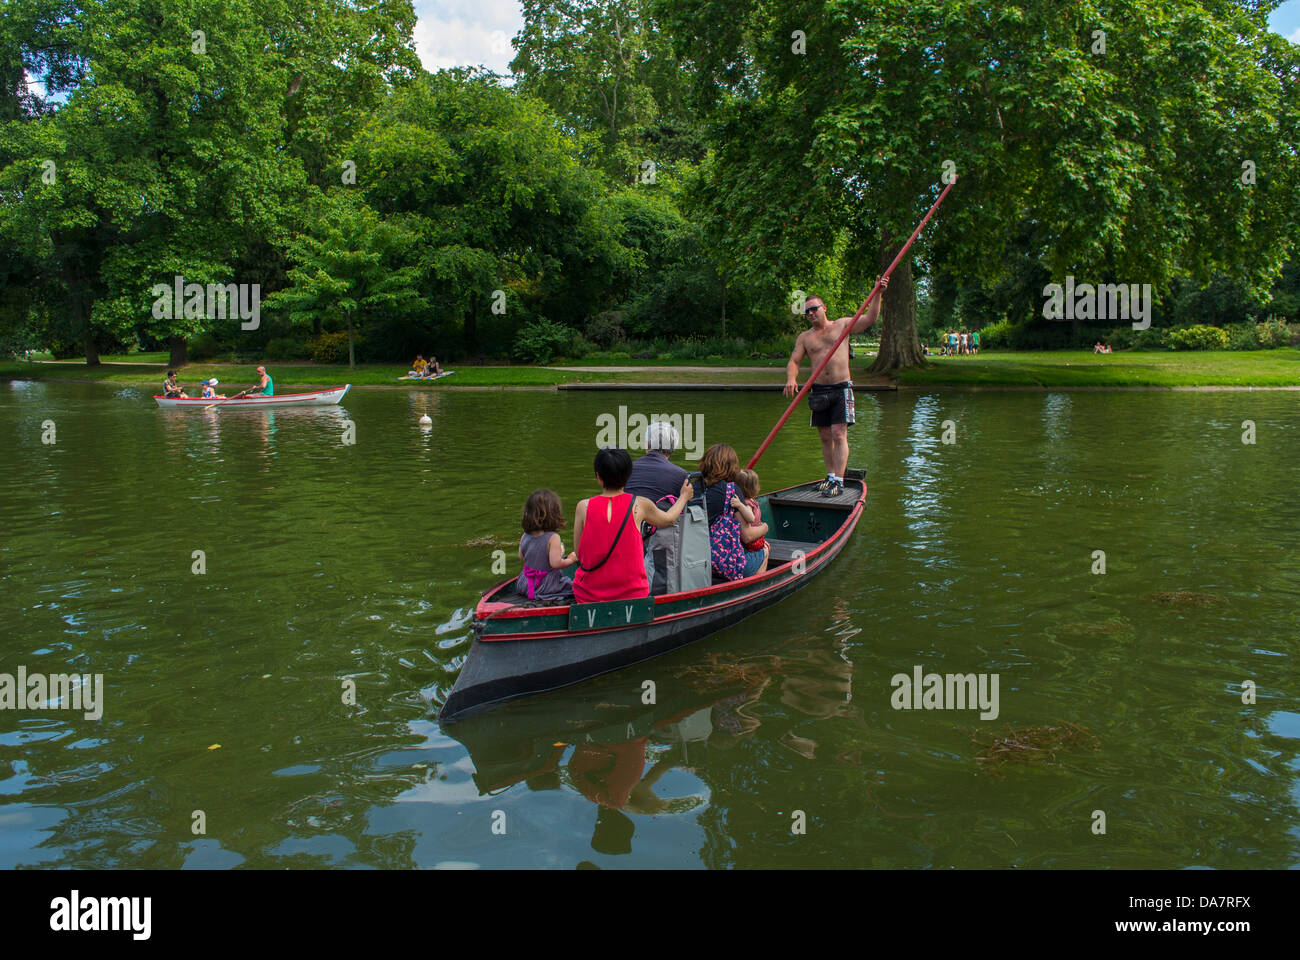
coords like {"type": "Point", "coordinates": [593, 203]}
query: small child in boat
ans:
{"type": "Point", "coordinates": [751, 534]}
{"type": "Point", "coordinates": [210, 394]}
{"type": "Point", "coordinates": [541, 550]}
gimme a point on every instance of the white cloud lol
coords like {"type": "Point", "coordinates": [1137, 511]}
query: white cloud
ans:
{"type": "Point", "coordinates": [1295, 37]}
{"type": "Point", "coordinates": [464, 33]}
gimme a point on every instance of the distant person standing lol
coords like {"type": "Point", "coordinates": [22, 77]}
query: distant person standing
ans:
{"type": "Point", "coordinates": [831, 398]}
{"type": "Point", "coordinates": [975, 342]}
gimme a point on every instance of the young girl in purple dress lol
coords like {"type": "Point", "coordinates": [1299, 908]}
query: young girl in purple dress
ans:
{"type": "Point", "coordinates": [541, 550]}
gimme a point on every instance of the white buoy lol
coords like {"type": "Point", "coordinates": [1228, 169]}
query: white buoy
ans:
{"type": "Point", "coordinates": [426, 421]}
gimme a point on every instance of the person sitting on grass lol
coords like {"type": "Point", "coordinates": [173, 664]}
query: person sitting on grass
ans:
{"type": "Point", "coordinates": [417, 367]}
{"type": "Point", "coordinates": [610, 553]}
{"type": "Point", "coordinates": [173, 389]}
{"type": "Point", "coordinates": [434, 369]}
{"type": "Point", "coordinates": [545, 575]}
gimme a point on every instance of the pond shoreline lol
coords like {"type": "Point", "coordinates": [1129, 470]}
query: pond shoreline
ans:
{"type": "Point", "coordinates": [688, 387]}
{"type": "Point", "coordinates": [1068, 370]}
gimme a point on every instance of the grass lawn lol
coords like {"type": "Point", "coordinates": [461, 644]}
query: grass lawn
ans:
{"type": "Point", "coordinates": [1070, 368]}
{"type": "Point", "coordinates": [1258, 368]}
{"type": "Point", "coordinates": [234, 377]}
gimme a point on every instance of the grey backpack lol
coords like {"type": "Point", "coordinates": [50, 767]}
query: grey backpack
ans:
{"type": "Point", "coordinates": [677, 557]}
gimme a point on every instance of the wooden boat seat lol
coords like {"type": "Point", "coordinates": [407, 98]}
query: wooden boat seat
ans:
{"type": "Point", "coordinates": [810, 497]}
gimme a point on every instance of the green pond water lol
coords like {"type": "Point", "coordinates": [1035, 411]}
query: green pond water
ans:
{"type": "Point", "coordinates": [775, 743]}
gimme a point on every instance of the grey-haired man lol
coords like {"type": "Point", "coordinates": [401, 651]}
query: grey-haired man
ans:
{"type": "Point", "coordinates": [653, 476]}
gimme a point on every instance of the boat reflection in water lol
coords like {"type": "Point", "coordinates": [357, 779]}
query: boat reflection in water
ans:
{"type": "Point", "coordinates": [602, 741]}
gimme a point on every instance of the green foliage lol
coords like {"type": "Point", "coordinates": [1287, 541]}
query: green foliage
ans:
{"type": "Point", "coordinates": [605, 329]}
{"type": "Point", "coordinates": [542, 341]}
{"type": "Point", "coordinates": [329, 347]}
{"type": "Point", "coordinates": [607, 70]}
{"type": "Point", "coordinates": [996, 336]}
{"type": "Point", "coordinates": [204, 346]}
{"type": "Point", "coordinates": [286, 348]}
{"type": "Point", "coordinates": [1275, 332]}
{"type": "Point", "coordinates": [1198, 337]}
{"type": "Point", "coordinates": [1126, 338]}
{"type": "Point", "coordinates": [1127, 163]}
{"type": "Point", "coordinates": [351, 266]}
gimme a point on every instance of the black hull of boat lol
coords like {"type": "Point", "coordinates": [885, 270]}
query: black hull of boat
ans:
{"type": "Point", "coordinates": [495, 672]}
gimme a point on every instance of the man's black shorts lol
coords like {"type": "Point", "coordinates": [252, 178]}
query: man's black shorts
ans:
{"type": "Point", "coordinates": [840, 408]}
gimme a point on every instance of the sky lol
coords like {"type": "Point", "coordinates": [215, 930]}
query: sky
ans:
{"type": "Point", "coordinates": [452, 33]}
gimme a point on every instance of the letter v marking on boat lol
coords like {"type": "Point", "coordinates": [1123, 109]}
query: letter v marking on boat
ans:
{"type": "Point", "coordinates": [591, 618]}
{"type": "Point", "coordinates": [628, 611]}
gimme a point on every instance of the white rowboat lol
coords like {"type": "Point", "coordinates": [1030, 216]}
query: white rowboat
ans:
{"type": "Point", "coordinates": [320, 398]}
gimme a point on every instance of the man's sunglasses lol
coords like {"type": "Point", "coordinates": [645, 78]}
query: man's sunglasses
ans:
{"type": "Point", "coordinates": [814, 308]}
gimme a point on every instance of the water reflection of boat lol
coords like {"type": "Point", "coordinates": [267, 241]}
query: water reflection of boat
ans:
{"type": "Point", "coordinates": [521, 648]}
{"type": "Point", "coordinates": [608, 728]}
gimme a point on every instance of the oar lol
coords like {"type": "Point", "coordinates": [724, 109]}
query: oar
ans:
{"type": "Point", "coordinates": [235, 397]}
{"type": "Point", "coordinates": [848, 328]}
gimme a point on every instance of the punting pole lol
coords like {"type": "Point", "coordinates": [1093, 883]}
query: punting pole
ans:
{"type": "Point", "coordinates": [848, 329]}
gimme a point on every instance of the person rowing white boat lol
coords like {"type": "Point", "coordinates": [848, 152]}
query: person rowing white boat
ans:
{"type": "Point", "coordinates": [265, 386]}
{"type": "Point", "coordinates": [171, 388]}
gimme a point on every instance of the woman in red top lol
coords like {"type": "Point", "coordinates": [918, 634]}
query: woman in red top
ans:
{"type": "Point", "coordinates": [607, 530]}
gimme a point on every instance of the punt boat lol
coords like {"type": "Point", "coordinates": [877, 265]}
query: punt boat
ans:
{"type": "Point", "coordinates": [523, 647]}
{"type": "Point", "coordinates": [317, 398]}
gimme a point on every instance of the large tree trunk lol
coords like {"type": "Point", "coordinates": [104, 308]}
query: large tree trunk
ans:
{"type": "Point", "coordinates": [92, 348]}
{"type": "Point", "coordinates": [180, 354]}
{"type": "Point", "coordinates": [80, 313]}
{"type": "Point", "coordinates": [899, 346]}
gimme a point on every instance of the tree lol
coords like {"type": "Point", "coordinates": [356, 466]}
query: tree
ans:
{"type": "Point", "coordinates": [490, 184]}
{"type": "Point", "coordinates": [349, 265]}
{"type": "Point", "coordinates": [1127, 162]}
{"type": "Point", "coordinates": [605, 68]}
{"type": "Point", "coordinates": [180, 148]}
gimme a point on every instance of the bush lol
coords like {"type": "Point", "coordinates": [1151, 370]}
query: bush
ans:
{"type": "Point", "coordinates": [1198, 337]}
{"type": "Point", "coordinates": [996, 336]}
{"type": "Point", "coordinates": [1243, 336]}
{"type": "Point", "coordinates": [541, 341]}
{"type": "Point", "coordinates": [606, 329]}
{"type": "Point", "coordinates": [330, 347]}
{"type": "Point", "coordinates": [1273, 333]}
{"type": "Point", "coordinates": [286, 348]}
{"type": "Point", "coordinates": [202, 346]}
